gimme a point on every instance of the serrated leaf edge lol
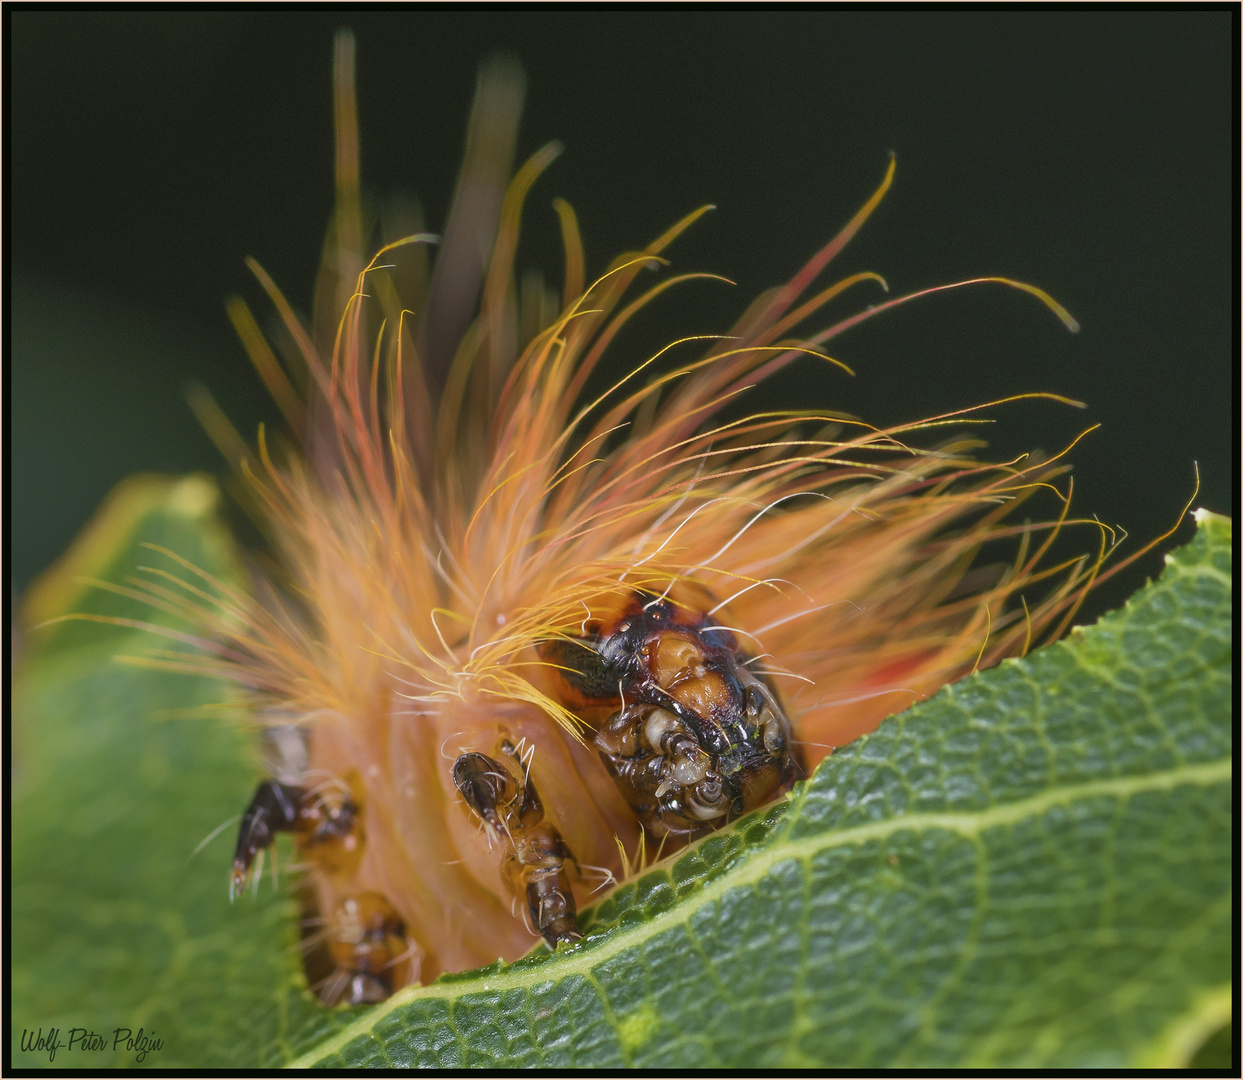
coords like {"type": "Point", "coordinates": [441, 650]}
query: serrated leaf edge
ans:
{"type": "Point", "coordinates": [755, 866]}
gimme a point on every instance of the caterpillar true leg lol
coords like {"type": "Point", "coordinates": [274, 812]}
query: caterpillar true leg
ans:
{"type": "Point", "coordinates": [367, 943]}
{"type": "Point", "coordinates": [504, 798]}
{"type": "Point", "coordinates": [329, 832]}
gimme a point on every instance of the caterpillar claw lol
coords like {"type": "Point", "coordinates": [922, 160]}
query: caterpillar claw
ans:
{"type": "Point", "coordinates": [504, 798]}
{"type": "Point", "coordinates": [329, 833]}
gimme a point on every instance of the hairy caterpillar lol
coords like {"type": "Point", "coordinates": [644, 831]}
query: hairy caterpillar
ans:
{"type": "Point", "coordinates": [520, 628]}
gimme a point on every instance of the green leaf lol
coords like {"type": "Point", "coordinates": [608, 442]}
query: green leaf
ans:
{"type": "Point", "coordinates": [1031, 869]}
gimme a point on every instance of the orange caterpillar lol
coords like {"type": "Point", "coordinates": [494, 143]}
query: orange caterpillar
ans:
{"type": "Point", "coordinates": [518, 628]}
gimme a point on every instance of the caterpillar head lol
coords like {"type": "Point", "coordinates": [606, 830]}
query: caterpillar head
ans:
{"type": "Point", "coordinates": [696, 738]}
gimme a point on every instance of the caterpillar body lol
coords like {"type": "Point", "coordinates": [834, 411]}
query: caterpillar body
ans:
{"type": "Point", "coordinates": [516, 633]}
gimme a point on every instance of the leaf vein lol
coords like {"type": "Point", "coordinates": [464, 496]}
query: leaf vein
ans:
{"type": "Point", "coordinates": [758, 864]}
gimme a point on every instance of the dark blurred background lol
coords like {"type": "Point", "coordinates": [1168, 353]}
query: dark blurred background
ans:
{"type": "Point", "coordinates": [1091, 153]}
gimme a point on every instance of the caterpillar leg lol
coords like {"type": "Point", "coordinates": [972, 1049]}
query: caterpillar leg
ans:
{"type": "Point", "coordinates": [328, 831]}
{"type": "Point", "coordinates": [502, 795]}
{"type": "Point", "coordinates": [368, 945]}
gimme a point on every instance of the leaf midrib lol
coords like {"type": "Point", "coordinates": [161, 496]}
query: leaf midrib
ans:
{"type": "Point", "coordinates": [756, 865]}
